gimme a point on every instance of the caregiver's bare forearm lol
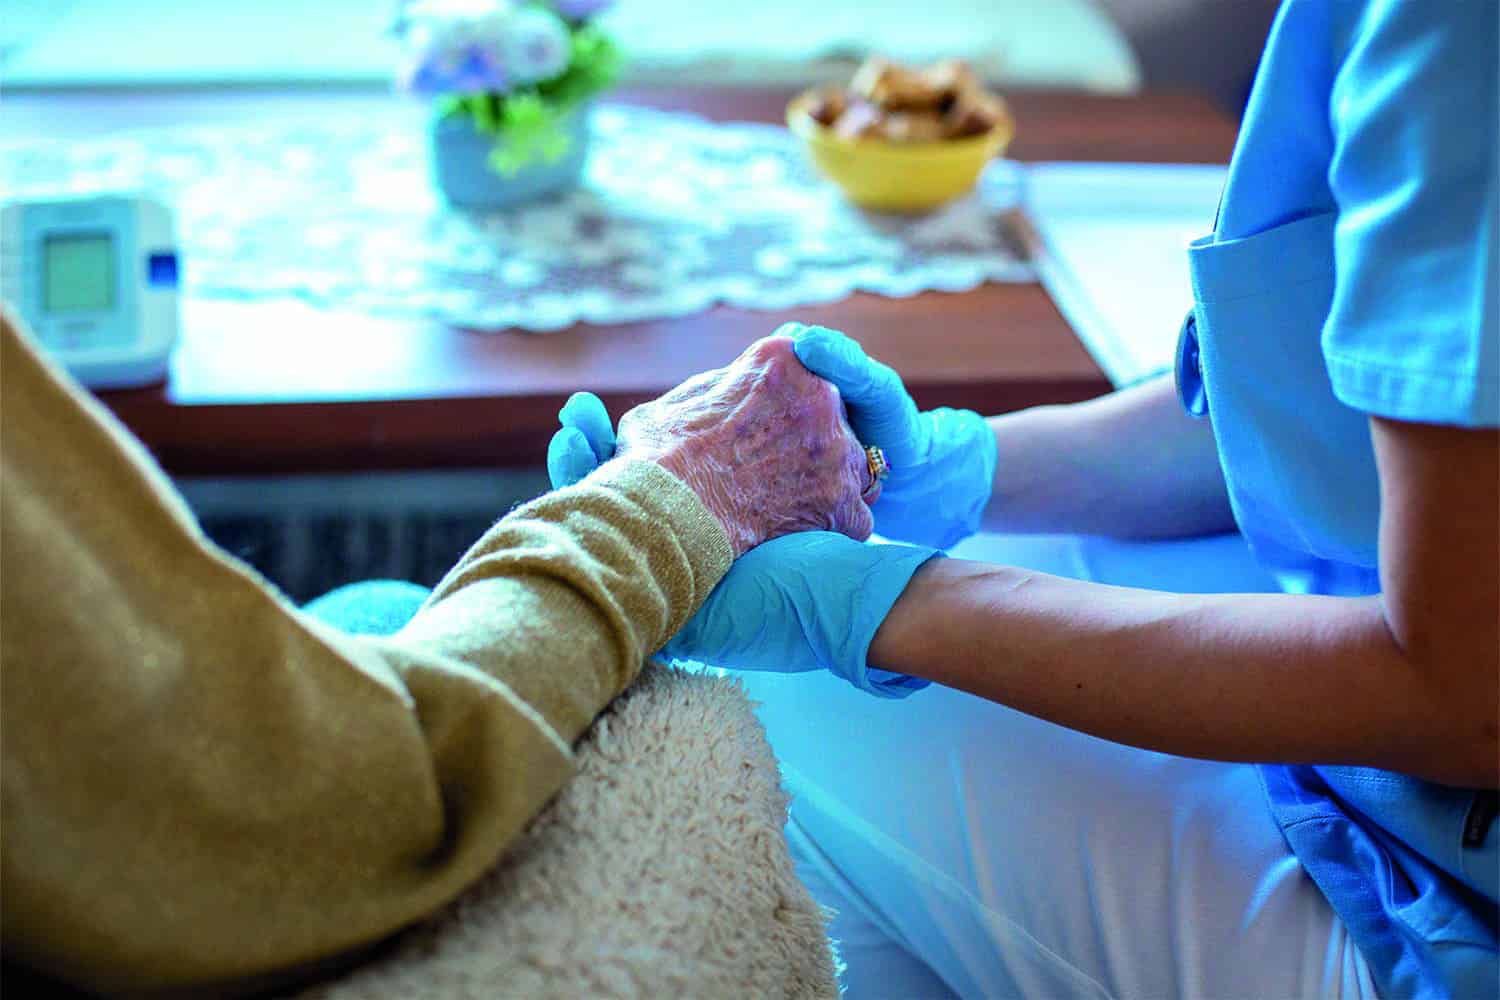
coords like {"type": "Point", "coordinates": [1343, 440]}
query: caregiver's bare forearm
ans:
{"type": "Point", "coordinates": [1130, 464]}
{"type": "Point", "coordinates": [1248, 677]}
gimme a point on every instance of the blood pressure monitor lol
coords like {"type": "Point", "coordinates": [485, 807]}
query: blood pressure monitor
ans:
{"type": "Point", "coordinates": [96, 280]}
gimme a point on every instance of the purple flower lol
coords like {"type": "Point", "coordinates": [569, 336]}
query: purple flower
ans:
{"type": "Point", "coordinates": [474, 46]}
{"type": "Point", "coordinates": [470, 70]}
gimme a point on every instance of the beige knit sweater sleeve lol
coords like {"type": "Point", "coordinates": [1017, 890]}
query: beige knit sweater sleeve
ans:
{"type": "Point", "coordinates": [203, 788]}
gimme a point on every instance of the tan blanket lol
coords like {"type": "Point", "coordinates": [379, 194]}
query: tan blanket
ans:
{"type": "Point", "coordinates": [661, 870]}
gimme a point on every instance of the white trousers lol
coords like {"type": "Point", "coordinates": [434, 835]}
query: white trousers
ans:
{"type": "Point", "coordinates": [973, 851]}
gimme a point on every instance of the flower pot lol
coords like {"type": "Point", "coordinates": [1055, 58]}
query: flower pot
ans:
{"type": "Point", "coordinates": [460, 154]}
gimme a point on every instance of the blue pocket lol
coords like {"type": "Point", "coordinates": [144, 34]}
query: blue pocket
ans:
{"type": "Point", "coordinates": [1423, 829]}
{"type": "Point", "coordinates": [1383, 847]}
{"type": "Point", "coordinates": [1299, 464]}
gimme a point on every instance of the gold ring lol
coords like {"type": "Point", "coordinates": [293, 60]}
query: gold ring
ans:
{"type": "Point", "coordinates": [879, 467]}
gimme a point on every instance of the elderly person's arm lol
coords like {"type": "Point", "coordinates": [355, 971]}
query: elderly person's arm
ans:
{"type": "Point", "coordinates": [204, 788]}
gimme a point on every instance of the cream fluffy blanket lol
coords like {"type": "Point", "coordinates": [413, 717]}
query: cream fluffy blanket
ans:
{"type": "Point", "coordinates": [661, 870]}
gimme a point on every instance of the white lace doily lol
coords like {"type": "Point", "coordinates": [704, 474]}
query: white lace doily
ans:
{"type": "Point", "coordinates": [675, 214]}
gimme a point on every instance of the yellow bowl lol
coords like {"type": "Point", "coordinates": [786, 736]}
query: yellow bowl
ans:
{"type": "Point", "coordinates": [897, 176]}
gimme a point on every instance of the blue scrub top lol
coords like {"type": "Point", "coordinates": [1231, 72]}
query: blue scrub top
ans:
{"type": "Point", "coordinates": [1352, 271]}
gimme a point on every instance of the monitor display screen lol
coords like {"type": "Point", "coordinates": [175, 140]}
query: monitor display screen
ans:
{"type": "Point", "coordinates": [78, 272]}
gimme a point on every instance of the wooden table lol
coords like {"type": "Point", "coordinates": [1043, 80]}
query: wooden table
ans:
{"type": "Point", "coordinates": [285, 388]}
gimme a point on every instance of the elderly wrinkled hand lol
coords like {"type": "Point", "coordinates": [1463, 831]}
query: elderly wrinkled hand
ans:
{"type": "Point", "coordinates": [806, 601]}
{"type": "Point", "coordinates": [765, 445]}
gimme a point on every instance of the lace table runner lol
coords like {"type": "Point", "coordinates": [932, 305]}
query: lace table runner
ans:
{"type": "Point", "coordinates": [675, 214]}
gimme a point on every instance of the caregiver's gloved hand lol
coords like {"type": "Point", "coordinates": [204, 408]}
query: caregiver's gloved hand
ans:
{"type": "Point", "coordinates": [942, 461]}
{"type": "Point", "coordinates": [763, 443]}
{"type": "Point", "coordinates": [808, 601]}
{"type": "Point", "coordinates": [805, 601]}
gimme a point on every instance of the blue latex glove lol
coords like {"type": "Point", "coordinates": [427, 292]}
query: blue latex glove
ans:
{"type": "Point", "coordinates": [807, 601]}
{"type": "Point", "coordinates": [585, 442]}
{"type": "Point", "coordinates": [942, 461]}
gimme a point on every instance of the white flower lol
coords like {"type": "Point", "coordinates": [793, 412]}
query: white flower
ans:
{"type": "Point", "coordinates": [533, 45]}
{"type": "Point", "coordinates": [472, 46]}
{"type": "Point", "coordinates": [449, 47]}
